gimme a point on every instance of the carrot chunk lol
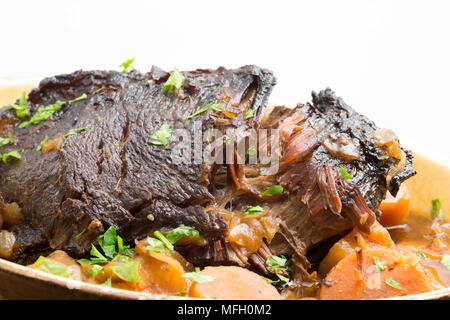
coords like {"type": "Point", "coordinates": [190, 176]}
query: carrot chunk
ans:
{"type": "Point", "coordinates": [160, 272]}
{"type": "Point", "coordinates": [233, 283]}
{"type": "Point", "coordinates": [377, 273]}
{"type": "Point", "coordinates": [395, 210]}
{"type": "Point", "coordinates": [378, 236]}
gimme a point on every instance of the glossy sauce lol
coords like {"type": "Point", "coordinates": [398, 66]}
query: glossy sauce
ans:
{"type": "Point", "coordinates": [432, 237]}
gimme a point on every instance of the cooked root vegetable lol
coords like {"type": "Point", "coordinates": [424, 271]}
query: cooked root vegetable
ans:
{"type": "Point", "coordinates": [375, 273]}
{"type": "Point", "coordinates": [355, 239]}
{"type": "Point", "coordinates": [11, 213]}
{"type": "Point", "coordinates": [61, 264]}
{"type": "Point", "coordinates": [233, 283]}
{"type": "Point", "coordinates": [338, 251]}
{"type": "Point", "coordinates": [161, 272]}
{"type": "Point", "coordinates": [395, 210]}
{"type": "Point", "coordinates": [127, 271]}
{"type": "Point", "coordinates": [92, 273]}
{"type": "Point", "coordinates": [7, 243]}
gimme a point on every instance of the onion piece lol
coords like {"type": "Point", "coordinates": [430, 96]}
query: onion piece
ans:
{"type": "Point", "coordinates": [7, 242]}
{"type": "Point", "coordinates": [342, 147]}
{"type": "Point", "coordinates": [11, 213]}
{"type": "Point", "coordinates": [386, 139]}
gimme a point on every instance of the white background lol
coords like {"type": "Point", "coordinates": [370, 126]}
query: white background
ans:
{"type": "Point", "coordinates": [390, 60]}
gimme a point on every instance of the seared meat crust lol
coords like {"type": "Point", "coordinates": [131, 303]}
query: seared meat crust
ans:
{"type": "Point", "coordinates": [110, 175]}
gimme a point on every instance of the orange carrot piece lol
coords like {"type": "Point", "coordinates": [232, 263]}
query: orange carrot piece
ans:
{"type": "Point", "coordinates": [395, 210]}
{"type": "Point", "coordinates": [233, 283]}
{"type": "Point", "coordinates": [160, 272]}
{"type": "Point", "coordinates": [355, 277]}
{"type": "Point", "coordinates": [378, 236]}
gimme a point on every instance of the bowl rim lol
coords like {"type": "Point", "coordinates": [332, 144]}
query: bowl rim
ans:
{"type": "Point", "coordinates": [72, 284]}
{"type": "Point", "coordinates": [115, 293]}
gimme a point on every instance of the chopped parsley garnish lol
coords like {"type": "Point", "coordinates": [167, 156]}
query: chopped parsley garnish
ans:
{"type": "Point", "coordinates": [198, 277]}
{"type": "Point", "coordinates": [445, 260]}
{"type": "Point", "coordinates": [249, 114]}
{"type": "Point", "coordinates": [113, 251]}
{"type": "Point", "coordinates": [49, 266]}
{"type": "Point", "coordinates": [121, 258]}
{"type": "Point", "coordinates": [183, 293]}
{"type": "Point", "coordinates": [21, 109]}
{"type": "Point", "coordinates": [251, 151]}
{"type": "Point", "coordinates": [5, 141]}
{"type": "Point", "coordinates": [82, 97]}
{"type": "Point", "coordinates": [122, 248]}
{"type": "Point", "coordinates": [80, 261]}
{"type": "Point", "coordinates": [217, 108]}
{"type": "Point", "coordinates": [127, 66]}
{"type": "Point", "coordinates": [44, 113]}
{"type": "Point", "coordinates": [175, 81]}
{"type": "Point", "coordinates": [275, 263]}
{"type": "Point", "coordinates": [23, 99]}
{"type": "Point", "coordinates": [74, 131]}
{"type": "Point", "coordinates": [392, 283]}
{"type": "Point", "coordinates": [421, 254]}
{"type": "Point", "coordinates": [283, 278]}
{"type": "Point", "coordinates": [79, 235]}
{"type": "Point", "coordinates": [97, 256]}
{"type": "Point", "coordinates": [278, 265]}
{"type": "Point", "coordinates": [379, 265]}
{"type": "Point", "coordinates": [382, 160]}
{"type": "Point", "coordinates": [270, 280]}
{"type": "Point", "coordinates": [41, 144]}
{"type": "Point", "coordinates": [156, 245]}
{"type": "Point", "coordinates": [13, 154]}
{"type": "Point", "coordinates": [201, 110]}
{"type": "Point", "coordinates": [273, 190]}
{"type": "Point", "coordinates": [435, 208]}
{"type": "Point", "coordinates": [111, 245]}
{"type": "Point", "coordinates": [253, 210]}
{"type": "Point", "coordinates": [128, 271]}
{"type": "Point", "coordinates": [94, 270]}
{"type": "Point", "coordinates": [107, 283]}
{"type": "Point", "coordinates": [107, 242]}
{"type": "Point", "coordinates": [162, 136]}
{"type": "Point", "coordinates": [164, 240]}
{"type": "Point", "coordinates": [180, 232]}
{"type": "Point", "coordinates": [344, 174]}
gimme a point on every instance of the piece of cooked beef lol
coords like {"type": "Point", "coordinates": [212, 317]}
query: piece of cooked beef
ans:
{"type": "Point", "coordinates": [110, 175]}
{"type": "Point", "coordinates": [320, 143]}
{"type": "Point", "coordinates": [327, 140]}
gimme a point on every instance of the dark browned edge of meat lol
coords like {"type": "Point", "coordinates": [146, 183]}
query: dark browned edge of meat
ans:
{"type": "Point", "coordinates": [110, 175]}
